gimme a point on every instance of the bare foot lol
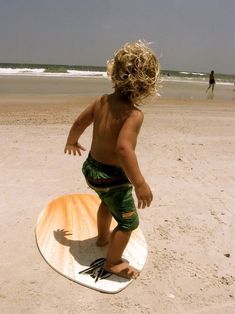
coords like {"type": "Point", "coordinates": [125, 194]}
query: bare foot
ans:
{"type": "Point", "coordinates": [122, 269]}
{"type": "Point", "coordinates": [102, 241]}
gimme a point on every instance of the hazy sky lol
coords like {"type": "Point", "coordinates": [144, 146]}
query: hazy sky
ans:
{"type": "Point", "coordinates": [196, 35]}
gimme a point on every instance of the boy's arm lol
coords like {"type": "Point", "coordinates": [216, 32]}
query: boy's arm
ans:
{"type": "Point", "coordinates": [85, 118]}
{"type": "Point", "coordinates": [126, 144]}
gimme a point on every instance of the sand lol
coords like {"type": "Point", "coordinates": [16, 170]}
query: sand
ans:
{"type": "Point", "coordinates": [186, 151]}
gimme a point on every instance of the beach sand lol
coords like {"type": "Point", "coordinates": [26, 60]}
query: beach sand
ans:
{"type": "Point", "coordinates": [186, 151]}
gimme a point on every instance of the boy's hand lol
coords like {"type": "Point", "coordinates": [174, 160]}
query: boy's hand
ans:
{"type": "Point", "coordinates": [74, 149]}
{"type": "Point", "coordinates": [144, 195]}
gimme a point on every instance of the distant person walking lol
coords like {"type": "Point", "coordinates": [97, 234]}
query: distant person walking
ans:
{"type": "Point", "coordinates": [211, 82]}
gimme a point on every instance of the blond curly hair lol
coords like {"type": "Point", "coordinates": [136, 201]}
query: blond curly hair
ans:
{"type": "Point", "coordinates": [134, 71]}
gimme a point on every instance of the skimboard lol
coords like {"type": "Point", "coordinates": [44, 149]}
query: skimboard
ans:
{"type": "Point", "coordinates": [66, 234]}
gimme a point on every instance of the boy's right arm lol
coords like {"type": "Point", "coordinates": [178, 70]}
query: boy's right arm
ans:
{"type": "Point", "coordinates": [79, 126]}
{"type": "Point", "coordinates": [126, 144]}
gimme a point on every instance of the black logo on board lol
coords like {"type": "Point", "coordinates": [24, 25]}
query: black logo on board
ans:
{"type": "Point", "coordinates": [96, 270]}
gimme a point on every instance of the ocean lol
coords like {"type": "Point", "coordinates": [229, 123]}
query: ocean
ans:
{"type": "Point", "coordinates": [55, 70]}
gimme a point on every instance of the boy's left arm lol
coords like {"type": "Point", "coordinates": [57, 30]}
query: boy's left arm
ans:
{"type": "Point", "coordinates": [81, 123]}
{"type": "Point", "coordinates": [126, 152]}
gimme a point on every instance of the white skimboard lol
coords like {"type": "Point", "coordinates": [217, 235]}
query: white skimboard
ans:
{"type": "Point", "coordinates": [66, 234]}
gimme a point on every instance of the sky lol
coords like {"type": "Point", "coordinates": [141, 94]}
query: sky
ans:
{"type": "Point", "coordinates": [189, 35]}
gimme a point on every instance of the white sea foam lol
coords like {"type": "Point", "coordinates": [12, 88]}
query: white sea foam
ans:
{"type": "Point", "coordinates": [192, 73]}
{"type": "Point", "coordinates": [42, 72]}
{"type": "Point", "coordinates": [197, 80]}
{"type": "Point", "coordinates": [21, 71]}
{"type": "Point", "coordinates": [194, 77]}
{"type": "Point", "coordinates": [86, 73]}
{"type": "Point", "coordinates": [178, 79]}
{"type": "Point", "coordinates": [197, 73]}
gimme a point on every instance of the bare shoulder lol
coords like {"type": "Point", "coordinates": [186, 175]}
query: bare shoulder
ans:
{"type": "Point", "coordinates": [136, 116]}
{"type": "Point", "coordinates": [99, 101]}
{"type": "Point", "coordinates": [133, 123]}
{"type": "Point", "coordinates": [137, 113]}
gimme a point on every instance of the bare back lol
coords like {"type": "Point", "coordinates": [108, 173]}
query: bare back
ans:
{"type": "Point", "coordinates": [110, 114]}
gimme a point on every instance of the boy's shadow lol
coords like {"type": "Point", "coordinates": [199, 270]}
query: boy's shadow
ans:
{"type": "Point", "coordinates": [85, 251]}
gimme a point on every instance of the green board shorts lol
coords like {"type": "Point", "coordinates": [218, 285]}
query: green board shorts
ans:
{"type": "Point", "coordinates": [114, 190]}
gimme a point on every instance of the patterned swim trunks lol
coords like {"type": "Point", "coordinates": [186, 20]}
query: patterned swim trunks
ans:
{"type": "Point", "coordinates": [114, 189]}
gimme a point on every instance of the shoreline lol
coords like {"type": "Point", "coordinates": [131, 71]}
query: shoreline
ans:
{"type": "Point", "coordinates": [92, 87]}
{"type": "Point", "coordinates": [103, 76]}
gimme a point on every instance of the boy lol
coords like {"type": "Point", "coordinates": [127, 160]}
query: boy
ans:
{"type": "Point", "coordinates": [111, 168]}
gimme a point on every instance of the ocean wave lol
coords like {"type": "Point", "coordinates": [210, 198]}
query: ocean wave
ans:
{"type": "Point", "coordinates": [100, 72]}
{"type": "Point", "coordinates": [86, 73]}
{"type": "Point", "coordinates": [192, 73]}
{"type": "Point", "coordinates": [45, 72]}
{"type": "Point", "coordinates": [198, 80]}
{"type": "Point", "coordinates": [198, 73]}
{"type": "Point", "coordinates": [13, 71]}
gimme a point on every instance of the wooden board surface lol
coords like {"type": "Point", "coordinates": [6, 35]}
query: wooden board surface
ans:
{"type": "Point", "coordinates": [66, 234]}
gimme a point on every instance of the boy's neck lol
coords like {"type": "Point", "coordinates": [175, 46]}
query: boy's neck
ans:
{"type": "Point", "coordinates": [118, 96]}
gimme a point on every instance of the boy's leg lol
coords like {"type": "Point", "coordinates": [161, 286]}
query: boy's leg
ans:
{"type": "Point", "coordinates": [104, 218]}
{"type": "Point", "coordinates": [114, 262]}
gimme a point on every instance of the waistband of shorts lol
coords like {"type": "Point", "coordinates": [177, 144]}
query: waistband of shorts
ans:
{"type": "Point", "coordinates": [107, 189]}
{"type": "Point", "coordinates": [103, 166]}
